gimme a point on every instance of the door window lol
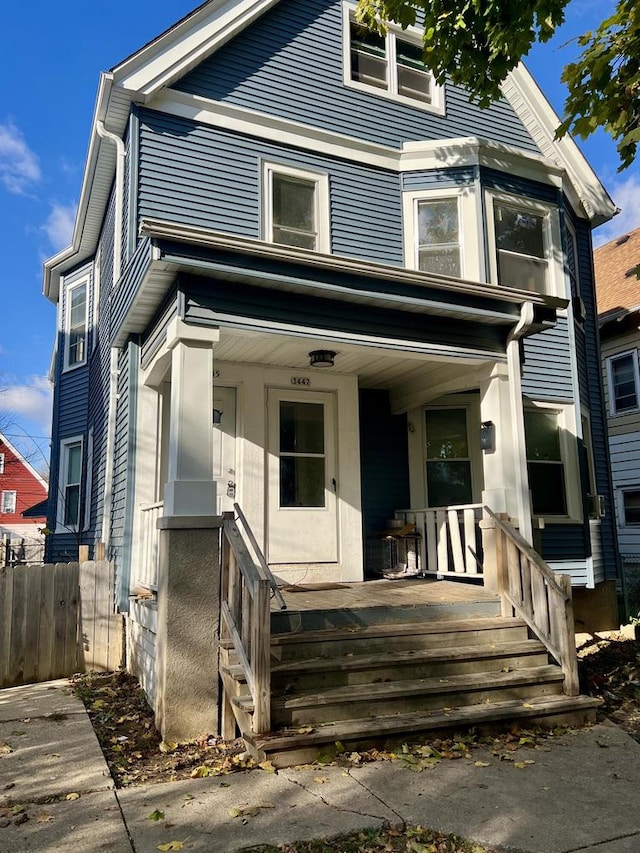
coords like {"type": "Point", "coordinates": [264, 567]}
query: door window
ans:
{"type": "Point", "coordinates": [302, 454]}
{"type": "Point", "coordinates": [448, 459]}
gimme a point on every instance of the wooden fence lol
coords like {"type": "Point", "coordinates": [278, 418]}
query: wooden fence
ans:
{"type": "Point", "coordinates": [56, 620]}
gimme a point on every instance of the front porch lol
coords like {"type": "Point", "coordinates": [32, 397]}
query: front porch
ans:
{"type": "Point", "coordinates": [357, 662]}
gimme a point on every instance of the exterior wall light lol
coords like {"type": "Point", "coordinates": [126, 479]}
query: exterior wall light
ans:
{"type": "Point", "coordinates": [488, 436]}
{"type": "Point", "coordinates": [321, 358]}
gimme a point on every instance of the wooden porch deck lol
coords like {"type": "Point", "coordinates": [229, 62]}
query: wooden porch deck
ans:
{"type": "Point", "coordinates": [402, 592]}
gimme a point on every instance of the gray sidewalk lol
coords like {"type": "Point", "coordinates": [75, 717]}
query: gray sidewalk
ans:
{"type": "Point", "coordinates": [582, 793]}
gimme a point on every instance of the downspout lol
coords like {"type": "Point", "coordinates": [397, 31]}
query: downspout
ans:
{"type": "Point", "coordinates": [113, 373]}
{"type": "Point", "coordinates": [523, 498]}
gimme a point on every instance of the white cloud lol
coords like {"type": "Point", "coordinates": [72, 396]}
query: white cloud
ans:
{"type": "Point", "coordinates": [625, 192]}
{"type": "Point", "coordinates": [19, 167]}
{"type": "Point", "coordinates": [30, 401]}
{"type": "Point", "coordinates": [59, 225]}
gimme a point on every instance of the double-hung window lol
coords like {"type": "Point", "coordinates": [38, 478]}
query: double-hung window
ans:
{"type": "Point", "coordinates": [8, 502]}
{"type": "Point", "coordinates": [75, 352]}
{"type": "Point", "coordinates": [69, 484]}
{"type": "Point", "coordinates": [296, 207]}
{"type": "Point", "coordinates": [631, 507]}
{"type": "Point", "coordinates": [390, 64]}
{"type": "Point", "coordinates": [527, 246]}
{"type": "Point", "coordinates": [448, 457]}
{"type": "Point", "coordinates": [624, 381]}
{"type": "Point", "coordinates": [552, 462]}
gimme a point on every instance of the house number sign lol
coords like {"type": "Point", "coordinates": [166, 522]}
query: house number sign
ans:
{"type": "Point", "coordinates": [300, 380]}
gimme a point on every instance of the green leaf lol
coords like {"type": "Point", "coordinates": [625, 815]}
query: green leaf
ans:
{"type": "Point", "coordinates": [156, 815]}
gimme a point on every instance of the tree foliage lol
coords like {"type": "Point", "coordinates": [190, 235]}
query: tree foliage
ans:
{"type": "Point", "coordinates": [476, 43]}
{"type": "Point", "coordinates": [604, 83]}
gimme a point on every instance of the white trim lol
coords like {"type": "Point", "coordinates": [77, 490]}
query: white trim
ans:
{"type": "Point", "coordinates": [88, 481]}
{"type": "Point", "coordinates": [97, 275]}
{"type": "Point", "coordinates": [320, 180]}
{"type": "Point", "coordinates": [633, 354]}
{"type": "Point", "coordinates": [554, 256]}
{"type": "Point", "coordinates": [471, 261]}
{"type": "Point", "coordinates": [411, 35]}
{"type": "Point", "coordinates": [4, 495]}
{"type": "Point", "coordinates": [63, 460]}
{"type": "Point", "coordinates": [105, 528]}
{"type": "Point", "coordinates": [83, 282]}
{"type": "Point", "coordinates": [568, 440]}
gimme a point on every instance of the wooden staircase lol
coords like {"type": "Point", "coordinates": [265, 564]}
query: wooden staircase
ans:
{"type": "Point", "coordinates": [371, 680]}
{"type": "Point", "coordinates": [297, 681]}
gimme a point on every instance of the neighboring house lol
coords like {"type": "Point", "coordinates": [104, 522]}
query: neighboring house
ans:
{"type": "Point", "coordinates": [21, 487]}
{"type": "Point", "coordinates": [306, 279]}
{"type": "Point", "coordinates": [617, 266]}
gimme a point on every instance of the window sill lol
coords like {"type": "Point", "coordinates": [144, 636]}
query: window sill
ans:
{"type": "Point", "coordinates": [434, 108]}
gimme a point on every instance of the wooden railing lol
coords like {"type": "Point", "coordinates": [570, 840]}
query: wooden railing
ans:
{"type": "Point", "coordinates": [528, 588]}
{"type": "Point", "coordinates": [449, 542]}
{"type": "Point", "coordinates": [246, 619]}
{"type": "Point", "coordinates": [147, 570]}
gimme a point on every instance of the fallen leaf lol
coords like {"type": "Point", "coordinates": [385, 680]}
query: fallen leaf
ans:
{"type": "Point", "coordinates": [167, 746]}
{"type": "Point", "coordinates": [44, 817]}
{"type": "Point", "coordinates": [521, 765]}
{"type": "Point", "coordinates": [321, 779]}
{"type": "Point", "coordinates": [267, 766]}
{"type": "Point", "coordinates": [17, 809]}
{"type": "Point", "coordinates": [171, 845]}
{"type": "Point", "coordinates": [482, 764]}
{"type": "Point", "coordinates": [200, 772]}
{"type": "Point", "coordinates": [73, 796]}
{"type": "Point", "coordinates": [235, 812]}
{"type": "Point", "coordinates": [225, 784]}
{"type": "Point", "coordinates": [156, 815]}
{"type": "Point", "coordinates": [5, 749]}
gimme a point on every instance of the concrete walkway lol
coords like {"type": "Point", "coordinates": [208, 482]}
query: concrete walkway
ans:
{"type": "Point", "coordinates": [580, 793]}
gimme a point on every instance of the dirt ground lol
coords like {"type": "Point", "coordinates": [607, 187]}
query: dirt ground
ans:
{"type": "Point", "coordinates": [123, 721]}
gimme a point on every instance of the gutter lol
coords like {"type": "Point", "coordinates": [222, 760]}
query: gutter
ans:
{"type": "Point", "coordinates": [119, 200]}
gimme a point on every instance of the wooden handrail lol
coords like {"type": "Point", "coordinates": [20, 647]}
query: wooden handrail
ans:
{"type": "Point", "coordinates": [529, 589]}
{"type": "Point", "coordinates": [246, 615]}
{"type": "Point", "coordinates": [267, 573]}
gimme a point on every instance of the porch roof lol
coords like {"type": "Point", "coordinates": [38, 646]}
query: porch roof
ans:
{"type": "Point", "coordinates": [170, 248]}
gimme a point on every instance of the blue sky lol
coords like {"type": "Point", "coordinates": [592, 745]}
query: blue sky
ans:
{"type": "Point", "coordinates": [53, 54]}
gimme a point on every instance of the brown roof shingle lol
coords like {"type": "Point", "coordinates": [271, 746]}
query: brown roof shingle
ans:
{"type": "Point", "coordinates": [615, 263]}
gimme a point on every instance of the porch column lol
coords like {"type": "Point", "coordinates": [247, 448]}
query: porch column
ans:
{"type": "Point", "coordinates": [506, 484]}
{"type": "Point", "coordinates": [190, 488]}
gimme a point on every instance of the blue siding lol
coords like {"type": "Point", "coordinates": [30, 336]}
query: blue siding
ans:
{"type": "Point", "coordinates": [208, 177]}
{"type": "Point", "coordinates": [289, 64]}
{"type": "Point", "coordinates": [433, 179]}
{"type": "Point", "coordinates": [546, 371]}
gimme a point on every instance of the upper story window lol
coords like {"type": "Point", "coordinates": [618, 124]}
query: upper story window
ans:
{"type": "Point", "coordinates": [440, 232]}
{"type": "Point", "coordinates": [389, 64]}
{"type": "Point", "coordinates": [75, 353]}
{"type": "Point", "coordinates": [631, 507]}
{"type": "Point", "coordinates": [623, 381]}
{"type": "Point", "coordinates": [69, 484]}
{"type": "Point", "coordinates": [526, 245]}
{"type": "Point", "coordinates": [1, 463]}
{"type": "Point", "coordinates": [8, 502]}
{"type": "Point", "coordinates": [296, 207]}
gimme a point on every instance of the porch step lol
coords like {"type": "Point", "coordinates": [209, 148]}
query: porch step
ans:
{"type": "Point", "coordinates": [294, 747]}
{"type": "Point", "coordinates": [484, 606]}
{"type": "Point", "coordinates": [410, 695]}
{"type": "Point", "coordinates": [399, 636]}
{"type": "Point", "coordinates": [314, 673]}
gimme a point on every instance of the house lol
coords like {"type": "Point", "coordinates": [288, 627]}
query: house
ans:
{"type": "Point", "coordinates": [307, 281]}
{"type": "Point", "coordinates": [21, 487]}
{"type": "Point", "coordinates": [618, 292]}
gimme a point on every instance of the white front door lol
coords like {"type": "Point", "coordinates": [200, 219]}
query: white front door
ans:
{"type": "Point", "coordinates": [302, 486]}
{"type": "Point", "coordinates": [224, 447]}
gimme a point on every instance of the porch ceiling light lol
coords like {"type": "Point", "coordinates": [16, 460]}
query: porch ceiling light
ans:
{"type": "Point", "coordinates": [321, 358]}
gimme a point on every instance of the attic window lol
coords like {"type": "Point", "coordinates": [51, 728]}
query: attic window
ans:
{"type": "Point", "coordinates": [622, 240]}
{"type": "Point", "coordinates": [389, 64]}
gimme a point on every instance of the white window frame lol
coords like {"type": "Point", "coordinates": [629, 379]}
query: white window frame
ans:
{"type": "Point", "coordinates": [567, 424]}
{"type": "Point", "coordinates": [469, 227]}
{"type": "Point", "coordinates": [633, 354]}
{"type": "Point", "coordinates": [67, 324]}
{"type": "Point", "coordinates": [321, 181]}
{"type": "Point", "coordinates": [554, 256]}
{"type": "Point", "coordinates": [4, 501]}
{"type": "Point", "coordinates": [65, 444]}
{"type": "Point", "coordinates": [410, 34]}
{"type": "Point", "coordinates": [97, 277]}
{"type": "Point", "coordinates": [1, 463]}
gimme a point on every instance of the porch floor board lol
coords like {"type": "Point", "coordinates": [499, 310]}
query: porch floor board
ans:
{"type": "Point", "coordinates": [404, 592]}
